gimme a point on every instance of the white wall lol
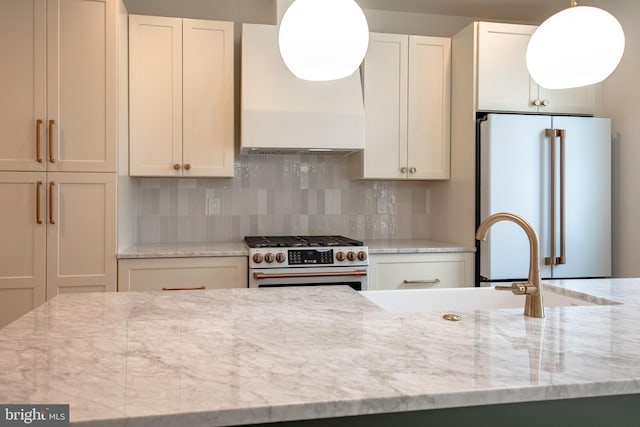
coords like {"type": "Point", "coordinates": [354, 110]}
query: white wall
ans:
{"type": "Point", "coordinates": [620, 93]}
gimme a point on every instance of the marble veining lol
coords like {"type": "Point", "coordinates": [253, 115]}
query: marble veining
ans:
{"type": "Point", "coordinates": [183, 250]}
{"type": "Point", "coordinates": [237, 356]}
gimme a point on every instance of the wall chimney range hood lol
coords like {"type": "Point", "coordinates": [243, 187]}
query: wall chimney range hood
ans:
{"type": "Point", "coordinates": [283, 114]}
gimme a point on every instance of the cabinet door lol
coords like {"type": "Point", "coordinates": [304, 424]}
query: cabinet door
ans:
{"type": "Point", "coordinates": [81, 236]}
{"type": "Point", "coordinates": [154, 274]}
{"type": "Point", "coordinates": [81, 85]}
{"type": "Point", "coordinates": [429, 112]}
{"type": "Point", "coordinates": [421, 271]}
{"type": "Point", "coordinates": [579, 100]}
{"type": "Point", "coordinates": [208, 146]}
{"type": "Point", "coordinates": [23, 84]}
{"type": "Point", "coordinates": [385, 105]}
{"type": "Point", "coordinates": [155, 96]}
{"type": "Point", "coordinates": [504, 83]}
{"type": "Point", "coordinates": [23, 244]}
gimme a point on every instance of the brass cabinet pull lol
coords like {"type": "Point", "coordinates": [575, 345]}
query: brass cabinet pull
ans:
{"type": "Point", "coordinates": [187, 166]}
{"type": "Point", "coordinates": [422, 282]}
{"type": "Point", "coordinates": [176, 166]}
{"type": "Point", "coordinates": [412, 170]}
{"type": "Point", "coordinates": [51, 185]}
{"type": "Point", "coordinates": [38, 218]}
{"type": "Point", "coordinates": [38, 125]}
{"type": "Point", "coordinates": [563, 256]}
{"type": "Point", "coordinates": [199, 288]}
{"type": "Point", "coordinates": [51, 158]}
{"type": "Point", "coordinates": [403, 170]}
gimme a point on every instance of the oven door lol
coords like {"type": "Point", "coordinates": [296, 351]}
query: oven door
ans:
{"type": "Point", "coordinates": [356, 277]}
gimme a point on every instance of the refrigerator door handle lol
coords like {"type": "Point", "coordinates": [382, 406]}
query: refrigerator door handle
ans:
{"type": "Point", "coordinates": [563, 256]}
{"type": "Point", "coordinates": [551, 259]}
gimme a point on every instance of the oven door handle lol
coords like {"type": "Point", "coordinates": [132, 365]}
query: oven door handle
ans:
{"type": "Point", "coordinates": [354, 273]}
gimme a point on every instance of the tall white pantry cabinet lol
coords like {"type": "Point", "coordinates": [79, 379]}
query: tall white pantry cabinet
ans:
{"type": "Point", "coordinates": [58, 150]}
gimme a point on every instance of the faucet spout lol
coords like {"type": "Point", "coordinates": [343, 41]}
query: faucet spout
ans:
{"type": "Point", "coordinates": [532, 289]}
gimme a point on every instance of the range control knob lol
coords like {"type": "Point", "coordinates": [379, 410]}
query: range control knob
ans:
{"type": "Point", "coordinates": [340, 256]}
{"type": "Point", "coordinates": [257, 258]}
{"type": "Point", "coordinates": [269, 257]}
{"type": "Point", "coordinates": [280, 257]}
{"type": "Point", "coordinates": [351, 256]}
{"type": "Point", "coordinates": [362, 255]}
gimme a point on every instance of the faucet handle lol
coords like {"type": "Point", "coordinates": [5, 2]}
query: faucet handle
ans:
{"type": "Point", "coordinates": [518, 288]}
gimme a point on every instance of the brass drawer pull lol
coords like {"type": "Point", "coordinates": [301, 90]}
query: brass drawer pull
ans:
{"type": "Point", "coordinates": [422, 282]}
{"type": "Point", "coordinates": [199, 288]}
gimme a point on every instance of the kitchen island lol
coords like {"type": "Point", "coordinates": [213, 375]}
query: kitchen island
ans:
{"type": "Point", "coordinates": [242, 356]}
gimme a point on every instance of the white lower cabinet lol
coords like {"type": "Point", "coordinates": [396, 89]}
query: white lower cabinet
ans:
{"type": "Point", "coordinates": [421, 270]}
{"type": "Point", "coordinates": [168, 274]}
{"type": "Point", "coordinates": [58, 235]}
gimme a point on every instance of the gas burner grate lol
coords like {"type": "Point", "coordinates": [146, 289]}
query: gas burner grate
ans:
{"type": "Point", "coordinates": [299, 241]}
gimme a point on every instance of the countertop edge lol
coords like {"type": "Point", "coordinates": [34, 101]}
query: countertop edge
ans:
{"type": "Point", "coordinates": [392, 404]}
{"type": "Point", "coordinates": [189, 250]}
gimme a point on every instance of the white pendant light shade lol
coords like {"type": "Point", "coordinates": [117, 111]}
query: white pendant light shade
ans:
{"type": "Point", "coordinates": [323, 39]}
{"type": "Point", "coordinates": [576, 47]}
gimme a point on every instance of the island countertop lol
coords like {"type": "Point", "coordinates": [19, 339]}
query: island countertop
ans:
{"type": "Point", "coordinates": [238, 356]}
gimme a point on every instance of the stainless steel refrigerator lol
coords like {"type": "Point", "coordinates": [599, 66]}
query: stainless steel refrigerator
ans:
{"type": "Point", "coordinates": [555, 172]}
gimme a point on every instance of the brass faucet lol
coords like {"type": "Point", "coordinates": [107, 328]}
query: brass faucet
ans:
{"type": "Point", "coordinates": [533, 306]}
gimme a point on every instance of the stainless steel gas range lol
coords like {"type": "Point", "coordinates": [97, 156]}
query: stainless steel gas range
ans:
{"type": "Point", "coordinates": [278, 261]}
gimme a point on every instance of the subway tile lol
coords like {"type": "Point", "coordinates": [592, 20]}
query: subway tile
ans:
{"type": "Point", "coordinates": [291, 194]}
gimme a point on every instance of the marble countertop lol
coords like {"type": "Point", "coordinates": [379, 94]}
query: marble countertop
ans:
{"type": "Point", "coordinates": [408, 246]}
{"type": "Point", "coordinates": [237, 356]}
{"type": "Point", "coordinates": [182, 250]}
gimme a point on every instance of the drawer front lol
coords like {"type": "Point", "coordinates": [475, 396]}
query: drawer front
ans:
{"type": "Point", "coordinates": [421, 271]}
{"type": "Point", "coordinates": [174, 274]}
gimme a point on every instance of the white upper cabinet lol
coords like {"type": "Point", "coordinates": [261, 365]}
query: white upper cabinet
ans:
{"type": "Point", "coordinates": [406, 98]}
{"type": "Point", "coordinates": [181, 97]}
{"type": "Point", "coordinates": [58, 85]}
{"type": "Point", "coordinates": [504, 83]}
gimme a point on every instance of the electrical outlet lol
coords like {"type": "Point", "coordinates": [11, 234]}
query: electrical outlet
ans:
{"type": "Point", "coordinates": [213, 206]}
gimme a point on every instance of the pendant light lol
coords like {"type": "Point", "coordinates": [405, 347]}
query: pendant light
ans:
{"type": "Point", "coordinates": [323, 39]}
{"type": "Point", "coordinates": [578, 46]}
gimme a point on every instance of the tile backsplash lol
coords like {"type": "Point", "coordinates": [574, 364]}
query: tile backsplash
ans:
{"type": "Point", "coordinates": [280, 195]}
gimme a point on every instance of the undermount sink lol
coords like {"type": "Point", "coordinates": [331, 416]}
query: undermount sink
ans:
{"type": "Point", "coordinates": [461, 299]}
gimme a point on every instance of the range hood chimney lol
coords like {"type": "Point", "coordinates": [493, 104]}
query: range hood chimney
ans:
{"type": "Point", "coordinates": [283, 114]}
